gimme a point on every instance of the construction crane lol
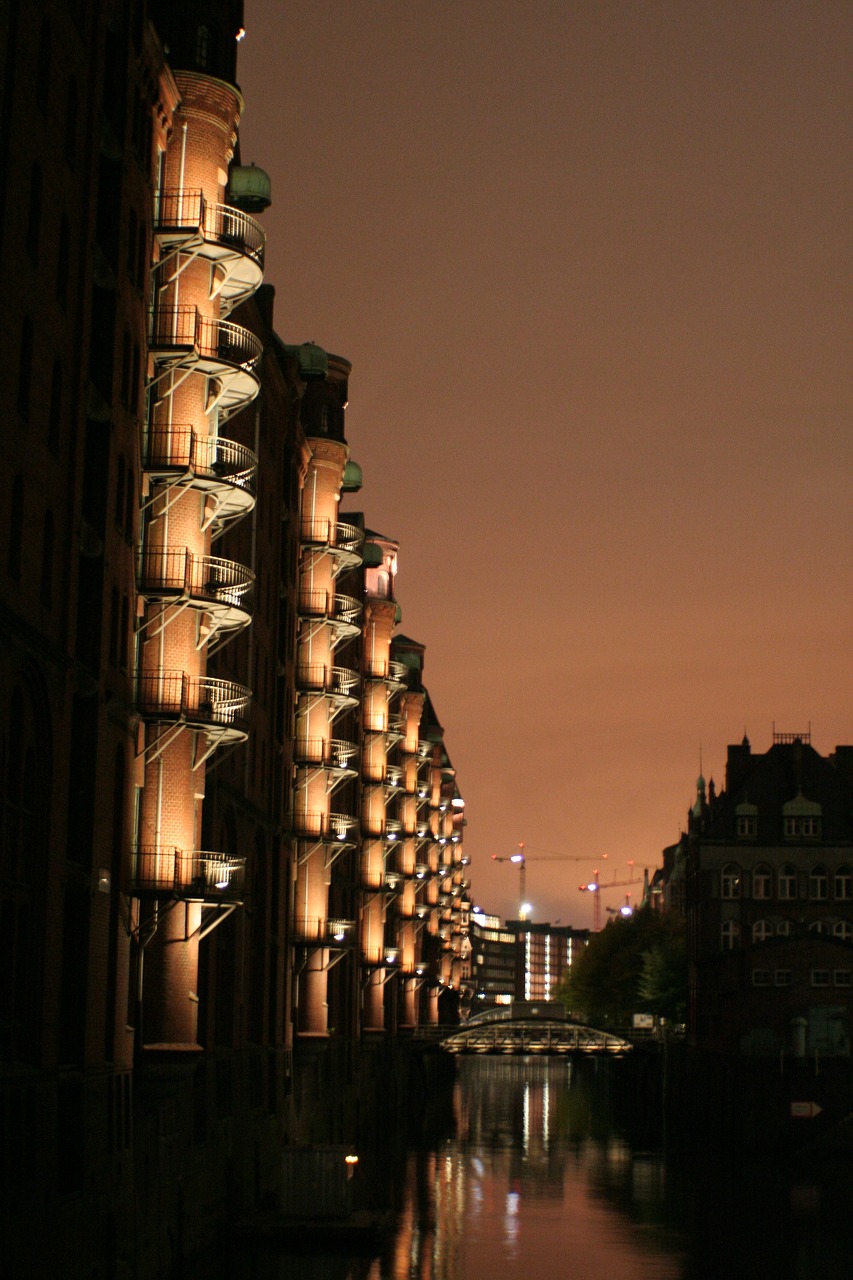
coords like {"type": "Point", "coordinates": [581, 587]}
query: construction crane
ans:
{"type": "Point", "coordinates": [521, 860]}
{"type": "Point", "coordinates": [594, 886]}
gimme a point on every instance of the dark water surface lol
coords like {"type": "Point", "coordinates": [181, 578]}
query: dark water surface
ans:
{"type": "Point", "coordinates": [539, 1180]}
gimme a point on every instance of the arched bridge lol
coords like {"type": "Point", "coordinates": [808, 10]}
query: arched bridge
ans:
{"type": "Point", "coordinates": [534, 1035]}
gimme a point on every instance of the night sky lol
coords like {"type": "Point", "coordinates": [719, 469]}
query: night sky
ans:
{"type": "Point", "coordinates": [591, 262]}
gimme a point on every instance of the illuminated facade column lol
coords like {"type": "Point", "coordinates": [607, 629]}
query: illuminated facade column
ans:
{"type": "Point", "coordinates": [202, 369]}
{"type": "Point", "coordinates": [327, 618]}
{"type": "Point", "coordinates": [415, 903]}
{"type": "Point", "coordinates": [380, 830]}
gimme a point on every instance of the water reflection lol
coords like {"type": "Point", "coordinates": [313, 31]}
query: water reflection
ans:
{"type": "Point", "coordinates": [519, 1186]}
{"type": "Point", "coordinates": [543, 1175]}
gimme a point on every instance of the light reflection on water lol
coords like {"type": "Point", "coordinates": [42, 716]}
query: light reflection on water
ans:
{"type": "Point", "coordinates": [538, 1180]}
{"type": "Point", "coordinates": [521, 1187]}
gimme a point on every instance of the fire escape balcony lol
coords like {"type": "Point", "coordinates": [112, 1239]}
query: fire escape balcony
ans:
{"type": "Point", "coordinates": [392, 674]}
{"type": "Point", "coordinates": [230, 240]}
{"type": "Point", "coordinates": [335, 683]}
{"type": "Point", "coordinates": [380, 828]}
{"type": "Point", "coordinates": [316, 930]}
{"type": "Point", "coordinates": [220, 588]}
{"type": "Point", "coordinates": [341, 612]}
{"type": "Point", "coordinates": [188, 876]}
{"type": "Point", "coordinates": [223, 470]}
{"type": "Point", "coordinates": [393, 779]}
{"type": "Point", "coordinates": [341, 540]}
{"type": "Point", "coordinates": [184, 341]}
{"type": "Point", "coordinates": [215, 708]}
{"type": "Point", "coordinates": [338, 829]}
{"type": "Point", "coordinates": [335, 754]}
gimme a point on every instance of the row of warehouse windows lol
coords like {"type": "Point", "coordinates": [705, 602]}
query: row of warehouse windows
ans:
{"type": "Point", "coordinates": [732, 882]}
{"type": "Point", "coordinates": [818, 978]}
{"type": "Point", "coordinates": [763, 930]}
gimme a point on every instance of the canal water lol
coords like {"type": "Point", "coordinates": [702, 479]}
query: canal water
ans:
{"type": "Point", "coordinates": [542, 1174]}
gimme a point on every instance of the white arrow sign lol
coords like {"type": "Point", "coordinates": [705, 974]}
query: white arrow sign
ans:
{"type": "Point", "coordinates": [805, 1110]}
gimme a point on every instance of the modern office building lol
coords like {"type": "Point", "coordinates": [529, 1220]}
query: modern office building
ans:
{"type": "Point", "coordinates": [520, 959]}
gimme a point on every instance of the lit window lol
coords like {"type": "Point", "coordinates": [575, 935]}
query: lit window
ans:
{"type": "Point", "coordinates": [784, 978]}
{"type": "Point", "coordinates": [843, 929]}
{"type": "Point", "coordinates": [820, 977]}
{"type": "Point", "coordinates": [843, 884]}
{"type": "Point", "coordinates": [818, 884]}
{"type": "Point", "coordinates": [730, 881]}
{"type": "Point", "coordinates": [788, 882]}
{"type": "Point", "coordinates": [730, 935]}
{"type": "Point", "coordinates": [762, 882]}
{"type": "Point", "coordinates": [762, 930]}
{"type": "Point", "coordinates": [762, 978]}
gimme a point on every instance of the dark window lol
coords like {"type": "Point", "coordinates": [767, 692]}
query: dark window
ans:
{"type": "Point", "coordinates": [25, 368]}
{"type": "Point", "coordinates": [16, 529]}
{"type": "Point", "coordinates": [43, 66]}
{"type": "Point", "coordinates": [63, 257]}
{"type": "Point", "coordinates": [55, 407]}
{"type": "Point", "coordinates": [47, 547]}
{"type": "Point", "coordinates": [71, 122]}
{"type": "Point", "coordinates": [34, 214]}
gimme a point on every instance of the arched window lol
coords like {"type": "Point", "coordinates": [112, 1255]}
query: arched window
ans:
{"type": "Point", "coordinates": [818, 884]}
{"type": "Point", "coordinates": [730, 935]}
{"type": "Point", "coordinates": [843, 929]}
{"type": "Point", "coordinates": [783, 929]}
{"type": "Point", "coordinates": [762, 881]}
{"type": "Point", "coordinates": [843, 884]}
{"type": "Point", "coordinates": [819, 926]}
{"type": "Point", "coordinates": [730, 881]}
{"type": "Point", "coordinates": [762, 930]}
{"type": "Point", "coordinates": [788, 882]}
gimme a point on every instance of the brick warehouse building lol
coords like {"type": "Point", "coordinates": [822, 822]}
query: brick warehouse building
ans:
{"type": "Point", "coordinates": [767, 870]}
{"type": "Point", "coordinates": [231, 832]}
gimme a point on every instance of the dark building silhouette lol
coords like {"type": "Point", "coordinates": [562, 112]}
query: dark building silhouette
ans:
{"type": "Point", "coordinates": [767, 868]}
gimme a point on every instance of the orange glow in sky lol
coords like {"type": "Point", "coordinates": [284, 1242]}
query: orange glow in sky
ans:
{"type": "Point", "coordinates": [592, 265]}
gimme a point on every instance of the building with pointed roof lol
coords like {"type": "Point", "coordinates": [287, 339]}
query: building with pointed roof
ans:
{"type": "Point", "coordinates": [767, 866]}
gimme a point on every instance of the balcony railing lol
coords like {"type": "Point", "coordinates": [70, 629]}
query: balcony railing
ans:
{"type": "Point", "coordinates": [327, 933]}
{"type": "Point", "coordinates": [332, 828]}
{"type": "Point", "coordinates": [190, 876]}
{"type": "Point", "coordinates": [181, 212]}
{"type": "Point", "coordinates": [339, 536]}
{"type": "Point", "coordinates": [325, 753]}
{"type": "Point", "coordinates": [200, 700]}
{"type": "Point", "coordinates": [179, 450]}
{"type": "Point", "coordinates": [315, 677]}
{"type": "Point", "coordinates": [217, 342]}
{"type": "Point", "coordinates": [341, 610]}
{"type": "Point", "coordinates": [175, 571]}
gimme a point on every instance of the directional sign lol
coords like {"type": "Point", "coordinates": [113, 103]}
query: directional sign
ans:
{"type": "Point", "coordinates": [805, 1110]}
